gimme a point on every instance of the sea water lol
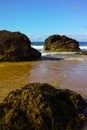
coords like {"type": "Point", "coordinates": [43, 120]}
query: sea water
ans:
{"type": "Point", "coordinates": [83, 46]}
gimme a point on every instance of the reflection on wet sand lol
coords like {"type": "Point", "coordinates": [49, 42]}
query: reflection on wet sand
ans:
{"type": "Point", "coordinates": [66, 74]}
{"type": "Point", "coordinates": [70, 74]}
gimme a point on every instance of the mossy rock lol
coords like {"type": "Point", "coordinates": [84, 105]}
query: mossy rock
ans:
{"type": "Point", "coordinates": [15, 46]}
{"type": "Point", "coordinates": [71, 98]}
{"type": "Point", "coordinates": [39, 106]}
{"type": "Point", "coordinates": [82, 53]}
{"type": "Point", "coordinates": [61, 44]}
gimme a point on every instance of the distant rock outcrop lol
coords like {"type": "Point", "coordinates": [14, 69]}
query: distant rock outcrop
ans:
{"type": "Point", "coordinates": [41, 107]}
{"type": "Point", "coordinates": [61, 44]}
{"type": "Point", "coordinates": [15, 46]}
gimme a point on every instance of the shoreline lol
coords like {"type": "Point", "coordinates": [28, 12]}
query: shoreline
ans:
{"type": "Point", "coordinates": [61, 72]}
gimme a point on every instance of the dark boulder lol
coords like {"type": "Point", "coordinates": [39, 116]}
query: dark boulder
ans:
{"type": "Point", "coordinates": [15, 46]}
{"type": "Point", "coordinates": [82, 53]}
{"type": "Point", "coordinates": [61, 44]}
{"type": "Point", "coordinates": [72, 98]}
{"type": "Point", "coordinates": [41, 107]}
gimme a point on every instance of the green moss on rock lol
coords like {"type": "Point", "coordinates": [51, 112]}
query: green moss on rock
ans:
{"type": "Point", "coordinates": [39, 106]}
{"type": "Point", "coordinates": [72, 98]}
{"type": "Point", "coordinates": [61, 44]}
{"type": "Point", "coordinates": [82, 53]}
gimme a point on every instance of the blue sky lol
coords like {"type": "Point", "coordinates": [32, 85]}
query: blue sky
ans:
{"type": "Point", "coordinates": [40, 18]}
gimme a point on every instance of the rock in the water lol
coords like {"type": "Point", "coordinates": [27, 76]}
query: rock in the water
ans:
{"type": "Point", "coordinates": [61, 44]}
{"type": "Point", "coordinates": [15, 46]}
{"type": "Point", "coordinates": [41, 107]}
{"type": "Point", "coordinates": [82, 53]}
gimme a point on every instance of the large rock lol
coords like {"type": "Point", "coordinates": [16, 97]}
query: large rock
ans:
{"type": "Point", "coordinates": [61, 44]}
{"type": "Point", "coordinates": [15, 46]}
{"type": "Point", "coordinates": [41, 107]}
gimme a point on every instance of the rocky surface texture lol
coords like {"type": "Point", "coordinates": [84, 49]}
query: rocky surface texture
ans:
{"type": "Point", "coordinates": [82, 53]}
{"type": "Point", "coordinates": [61, 44]}
{"type": "Point", "coordinates": [15, 46]}
{"type": "Point", "coordinates": [41, 107]}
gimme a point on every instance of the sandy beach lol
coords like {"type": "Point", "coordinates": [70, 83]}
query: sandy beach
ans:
{"type": "Point", "coordinates": [66, 72]}
{"type": "Point", "coordinates": [61, 72]}
{"type": "Point", "coordinates": [69, 73]}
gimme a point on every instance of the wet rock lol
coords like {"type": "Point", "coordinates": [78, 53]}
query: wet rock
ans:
{"type": "Point", "coordinates": [72, 98]}
{"type": "Point", "coordinates": [15, 46]}
{"type": "Point", "coordinates": [82, 53]}
{"type": "Point", "coordinates": [61, 44]}
{"type": "Point", "coordinates": [39, 106]}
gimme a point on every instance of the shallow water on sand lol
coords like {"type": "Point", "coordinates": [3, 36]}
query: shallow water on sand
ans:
{"type": "Point", "coordinates": [12, 76]}
{"type": "Point", "coordinates": [66, 72]}
{"type": "Point", "coordinates": [63, 74]}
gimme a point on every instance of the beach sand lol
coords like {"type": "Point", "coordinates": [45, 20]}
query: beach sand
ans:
{"type": "Point", "coordinates": [68, 72]}
{"type": "Point", "coordinates": [71, 74]}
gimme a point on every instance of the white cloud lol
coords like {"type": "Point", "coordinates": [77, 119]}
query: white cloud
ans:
{"type": "Point", "coordinates": [76, 36]}
{"type": "Point", "coordinates": [79, 36]}
{"type": "Point", "coordinates": [38, 37]}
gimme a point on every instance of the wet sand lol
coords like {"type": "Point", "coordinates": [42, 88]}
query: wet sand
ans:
{"type": "Point", "coordinates": [13, 76]}
{"type": "Point", "coordinates": [67, 72]}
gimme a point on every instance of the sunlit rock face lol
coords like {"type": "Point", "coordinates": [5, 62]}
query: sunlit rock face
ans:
{"type": "Point", "coordinates": [61, 44]}
{"type": "Point", "coordinates": [39, 106]}
{"type": "Point", "coordinates": [15, 46]}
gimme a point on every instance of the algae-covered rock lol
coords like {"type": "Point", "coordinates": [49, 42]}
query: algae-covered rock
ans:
{"type": "Point", "coordinates": [41, 107]}
{"type": "Point", "coordinates": [72, 98]}
{"type": "Point", "coordinates": [82, 53]}
{"type": "Point", "coordinates": [15, 46]}
{"type": "Point", "coordinates": [61, 44]}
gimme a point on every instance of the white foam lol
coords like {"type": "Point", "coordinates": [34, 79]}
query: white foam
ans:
{"type": "Point", "coordinates": [38, 47]}
{"type": "Point", "coordinates": [83, 48]}
{"type": "Point", "coordinates": [44, 53]}
{"type": "Point", "coordinates": [49, 53]}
